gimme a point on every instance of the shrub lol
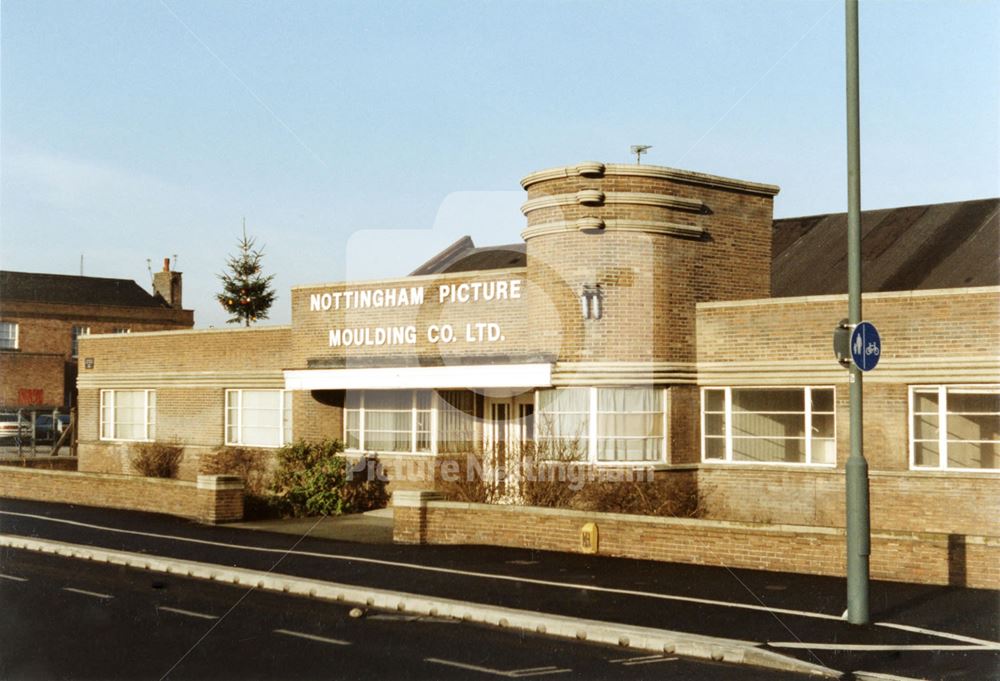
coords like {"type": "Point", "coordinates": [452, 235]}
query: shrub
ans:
{"type": "Point", "coordinates": [671, 496]}
{"type": "Point", "coordinates": [255, 468]}
{"type": "Point", "coordinates": [463, 478]}
{"type": "Point", "coordinates": [156, 459]}
{"type": "Point", "coordinates": [312, 478]}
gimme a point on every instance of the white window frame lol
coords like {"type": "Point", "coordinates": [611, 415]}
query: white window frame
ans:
{"type": "Point", "coordinates": [431, 432]}
{"type": "Point", "coordinates": [283, 413]}
{"type": "Point", "coordinates": [77, 333]}
{"type": "Point", "coordinates": [16, 337]}
{"type": "Point", "coordinates": [942, 392]}
{"type": "Point", "coordinates": [807, 413]}
{"type": "Point", "coordinates": [106, 416]}
{"type": "Point", "coordinates": [592, 426]}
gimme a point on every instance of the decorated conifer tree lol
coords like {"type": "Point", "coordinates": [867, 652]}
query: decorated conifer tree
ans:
{"type": "Point", "coordinates": [246, 293]}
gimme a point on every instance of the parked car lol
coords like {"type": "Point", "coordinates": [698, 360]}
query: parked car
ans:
{"type": "Point", "coordinates": [48, 431]}
{"type": "Point", "coordinates": [9, 430]}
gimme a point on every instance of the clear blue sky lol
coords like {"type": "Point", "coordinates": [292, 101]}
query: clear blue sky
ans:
{"type": "Point", "coordinates": [358, 138]}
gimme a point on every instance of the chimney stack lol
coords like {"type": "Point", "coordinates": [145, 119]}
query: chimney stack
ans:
{"type": "Point", "coordinates": [167, 285]}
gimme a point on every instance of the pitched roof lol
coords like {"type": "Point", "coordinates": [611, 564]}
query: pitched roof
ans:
{"type": "Point", "coordinates": [945, 245]}
{"type": "Point", "coordinates": [72, 290]}
{"type": "Point", "coordinates": [464, 256]}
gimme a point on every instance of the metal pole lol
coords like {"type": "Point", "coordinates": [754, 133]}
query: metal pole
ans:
{"type": "Point", "coordinates": [856, 473]}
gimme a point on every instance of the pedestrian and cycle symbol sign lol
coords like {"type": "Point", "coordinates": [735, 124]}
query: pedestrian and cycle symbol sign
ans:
{"type": "Point", "coordinates": [866, 346]}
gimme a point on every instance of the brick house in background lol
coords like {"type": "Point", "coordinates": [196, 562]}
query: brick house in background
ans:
{"type": "Point", "coordinates": [42, 316]}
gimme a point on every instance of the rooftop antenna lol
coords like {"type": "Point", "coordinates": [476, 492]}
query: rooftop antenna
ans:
{"type": "Point", "coordinates": [175, 262]}
{"type": "Point", "coordinates": [81, 264]}
{"type": "Point", "coordinates": [149, 268]}
{"type": "Point", "coordinates": [639, 150]}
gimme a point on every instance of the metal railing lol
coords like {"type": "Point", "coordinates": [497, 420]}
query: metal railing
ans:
{"type": "Point", "coordinates": [41, 432]}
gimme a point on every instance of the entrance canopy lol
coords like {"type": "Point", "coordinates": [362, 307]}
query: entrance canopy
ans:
{"type": "Point", "coordinates": [393, 378]}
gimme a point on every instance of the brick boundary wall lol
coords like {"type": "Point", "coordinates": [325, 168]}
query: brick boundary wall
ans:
{"type": "Point", "coordinates": [920, 557]}
{"type": "Point", "coordinates": [212, 499]}
{"type": "Point", "coordinates": [41, 461]}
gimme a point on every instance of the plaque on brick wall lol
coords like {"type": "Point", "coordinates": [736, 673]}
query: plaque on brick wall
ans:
{"type": "Point", "coordinates": [88, 363]}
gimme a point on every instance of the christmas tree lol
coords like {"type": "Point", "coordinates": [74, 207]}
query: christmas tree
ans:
{"type": "Point", "coordinates": [246, 293]}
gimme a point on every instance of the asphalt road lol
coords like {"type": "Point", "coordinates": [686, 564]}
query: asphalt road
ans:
{"type": "Point", "coordinates": [71, 619]}
{"type": "Point", "coordinates": [661, 595]}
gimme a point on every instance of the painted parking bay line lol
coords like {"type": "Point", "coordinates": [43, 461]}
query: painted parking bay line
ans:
{"type": "Point", "coordinates": [511, 674]}
{"type": "Point", "coordinates": [13, 578]}
{"type": "Point", "coordinates": [84, 592]}
{"type": "Point", "coordinates": [189, 613]}
{"type": "Point", "coordinates": [312, 637]}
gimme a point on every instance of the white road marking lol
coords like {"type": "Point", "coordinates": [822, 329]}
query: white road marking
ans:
{"type": "Point", "coordinates": [661, 659]}
{"type": "Point", "coordinates": [634, 659]}
{"type": "Point", "coordinates": [509, 578]}
{"type": "Point", "coordinates": [877, 646]}
{"type": "Point", "coordinates": [12, 578]}
{"type": "Point", "coordinates": [512, 674]}
{"type": "Point", "coordinates": [942, 634]}
{"type": "Point", "coordinates": [312, 637]}
{"type": "Point", "coordinates": [189, 613]}
{"type": "Point", "coordinates": [879, 676]}
{"type": "Point", "coordinates": [644, 659]}
{"type": "Point", "coordinates": [95, 594]}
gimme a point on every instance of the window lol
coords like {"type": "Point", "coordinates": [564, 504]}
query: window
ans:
{"type": "Point", "coordinates": [388, 421]}
{"type": "Point", "coordinates": [457, 427]}
{"type": "Point", "coordinates": [769, 425]}
{"type": "Point", "coordinates": [955, 427]}
{"type": "Point", "coordinates": [77, 332]}
{"type": "Point", "coordinates": [258, 418]}
{"type": "Point", "coordinates": [128, 414]}
{"type": "Point", "coordinates": [121, 330]}
{"type": "Point", "coordinates": [603, 425]}
{"type": "Point", "coordinates": [8, 335]}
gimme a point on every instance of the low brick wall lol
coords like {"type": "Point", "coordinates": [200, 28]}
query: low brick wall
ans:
{"type": "Point", "coordinates": [922, 557]}
{"type": "Point", "coordinates": [212, 499]}
{"type": "Point", "coordinates": [51, 463]}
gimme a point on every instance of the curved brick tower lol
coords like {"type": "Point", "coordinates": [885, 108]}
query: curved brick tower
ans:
{"type": "Point", "coordinates": [650, 242]}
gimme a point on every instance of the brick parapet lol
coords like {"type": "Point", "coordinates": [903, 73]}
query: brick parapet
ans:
{"type": "Point", "coordinates": [204, 502]}
{"type": "Point", "coordinates": [932, 558]}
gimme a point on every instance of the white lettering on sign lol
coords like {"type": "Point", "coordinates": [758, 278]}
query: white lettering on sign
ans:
{"type": "Point", "coordinates": [479, 291]}
{"type": "Point", "coordinates": [366, 298]}
{"type": "Point", "coordinates": [402, 296]}
{"type": "Point", "coordinates": [380, 335]}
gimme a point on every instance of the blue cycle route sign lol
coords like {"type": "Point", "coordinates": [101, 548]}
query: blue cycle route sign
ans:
{"type": "Point", "coordinates": [866, 346]}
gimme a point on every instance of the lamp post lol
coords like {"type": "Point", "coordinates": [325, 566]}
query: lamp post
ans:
{"type": "Point", "coordinates": [856, 468]}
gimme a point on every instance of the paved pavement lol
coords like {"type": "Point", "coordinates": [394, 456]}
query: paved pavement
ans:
{"type": "Point", "coordinates": [921, 631]}
{"type": "Point", "coordinates": [108, 622]}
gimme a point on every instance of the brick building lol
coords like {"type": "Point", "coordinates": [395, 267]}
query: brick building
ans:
{"type": "Point", "coordinates": [43, 316]}
{"type": "Point", "coordinates": [636, 325]}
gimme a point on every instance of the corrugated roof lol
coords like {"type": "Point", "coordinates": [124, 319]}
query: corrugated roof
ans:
{"type": "Point", "coordinates": [72, 290]}
{"type": "Point", "coordinates": [945, 245]}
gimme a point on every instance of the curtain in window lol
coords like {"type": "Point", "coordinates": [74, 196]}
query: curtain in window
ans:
{"type": "Point", "coordinates": [629, 424]}
{"type": "Point", "coordinates": [457, 427]}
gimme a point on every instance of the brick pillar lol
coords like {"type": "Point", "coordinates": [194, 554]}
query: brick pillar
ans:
{"type": "Point", "coordinates": [409, 515]}
{"type": "Point", "coordinates": [220, 498]}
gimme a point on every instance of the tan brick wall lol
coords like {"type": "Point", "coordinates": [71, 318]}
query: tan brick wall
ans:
{"type": "Point", "coordinates": [31, 380]}
{"type": "Point", "coordinates": [651, 282]}
{"type": "Point", "coordinates": [174, 497]}
{"type": "Point", "coordinates": [936, 325]}
{"type": "Point", "coordinates": [959, 323]}
{"type": "Point", "coordinates": [310, 342]}
{"type": "Point", "coordinates": [256, 349]}
{"type": "Point", "coordinates": [930, 558]}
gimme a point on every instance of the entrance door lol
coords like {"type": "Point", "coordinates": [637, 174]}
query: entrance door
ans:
{"type": "Point", "coordinates": [509, 429]}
